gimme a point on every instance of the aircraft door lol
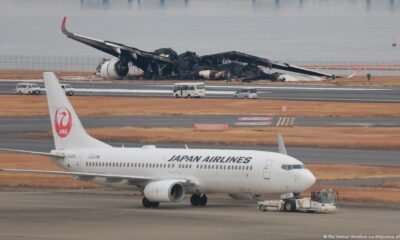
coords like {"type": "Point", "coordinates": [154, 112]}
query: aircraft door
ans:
{"type": "Point", "coordinates": [267, 169]}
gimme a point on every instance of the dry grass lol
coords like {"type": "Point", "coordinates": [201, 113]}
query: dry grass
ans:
{"type": "Point", "coordinates": [340, 137]}
{"type": "Point", "coordinates": [354, 194]}
{"type": "Point", "coordinates": [390, 184]}
{"type": "Point", "coordinates": [26, 161]}
{"type": "Point", "coordinates": [13, 105]}
{"type": "Point", "coordinates": [351, 171]}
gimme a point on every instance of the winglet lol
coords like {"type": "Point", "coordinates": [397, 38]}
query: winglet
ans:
{"type": "Point", "coordinates": [281, 145]}
{"type": "Point", "coordinates": [63, 28]}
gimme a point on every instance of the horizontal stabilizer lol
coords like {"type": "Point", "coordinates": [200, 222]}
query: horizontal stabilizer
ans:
{"type": "Point", "coordinates": [32, 152]}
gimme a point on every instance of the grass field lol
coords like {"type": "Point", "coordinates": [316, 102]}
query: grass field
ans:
{"type": "Point", "coordinates": [331, 137]}
{"type": "Point", "coordinates": [341, 137]}
{"type": "Point", "coordinates": [13, 105]}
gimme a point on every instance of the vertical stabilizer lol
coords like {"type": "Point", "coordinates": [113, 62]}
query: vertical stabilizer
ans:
{"type": "Point", "coordinates": [68, 132]}
{"type": "Point", "coordinates": [281, 145]}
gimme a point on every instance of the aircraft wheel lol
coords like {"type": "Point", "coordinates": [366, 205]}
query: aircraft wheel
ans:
{"type": "Point", "coordinates": [177, 96]}
{"type": "Point", "coordinates": [195, 200]}
{"type": "Point", "coordinates": [289, 206]}
{"type": "Point", "coordinates": [203, 200]}
{"type": "Point", "coordinates": [149, 204]}
{"type": "Point", "coordinates": [262, 208]}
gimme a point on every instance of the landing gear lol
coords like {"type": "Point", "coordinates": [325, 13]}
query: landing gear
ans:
{"type": "Point", "coordinates": [198, 200]}
{"type": "Point", "coordinates": [149, 204]}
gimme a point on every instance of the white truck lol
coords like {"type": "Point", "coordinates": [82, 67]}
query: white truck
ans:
{"type": "Point", "coordinates": [322, 201]}
{"type": "Point", "coordinates": [68, 89]}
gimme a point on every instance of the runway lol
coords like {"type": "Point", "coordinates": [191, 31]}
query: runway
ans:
{"type": "Point", "coordinates": [307, 155]}
{"type": "Point", "coordinates": [101, 215]}
{"type": "Point", "coordinates": [224, 90]}
{"type": "Point", "coordinates": [37, 124]}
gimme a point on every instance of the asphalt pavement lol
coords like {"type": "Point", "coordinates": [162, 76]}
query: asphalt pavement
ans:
{"type": "Point", "coordinates": [38, 124]}
{"type": "Point", "coordinates": [226, 90]}
{"type": "Point", "coordinates": [96, 215]}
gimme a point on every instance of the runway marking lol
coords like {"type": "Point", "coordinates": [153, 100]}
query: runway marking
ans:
{"type": "Point", "coordinates": [255, 118]}
{"type": "Point", "coordinates": [285, 121]}
{"type": "Point", "coordinates": [105, 90]}
{"type": "Point", "coordinates": [253, 123]}
{"type": "Point", "coordinates": [309, 88]}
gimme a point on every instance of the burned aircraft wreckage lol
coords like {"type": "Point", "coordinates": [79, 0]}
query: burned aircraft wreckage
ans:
{"type": "Point", "coordinates": [165, 63]}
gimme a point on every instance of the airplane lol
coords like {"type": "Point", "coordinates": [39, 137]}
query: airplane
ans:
{"type": "Point", "coordinates": [163, 174]}
{"type": "Point", "coordinates": [165, 63]}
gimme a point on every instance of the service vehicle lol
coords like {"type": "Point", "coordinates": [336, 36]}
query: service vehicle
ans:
{"type": "Point", "coordinates": [69, 90]}
{"type": "Point", "coordinates": [27, 88]}
{"type": "Point", "coordinates": [246, 93]}
{"type": "Point", "coordinates": [189, 90]}
{"type": "Point", "coordinates": [322, 201]}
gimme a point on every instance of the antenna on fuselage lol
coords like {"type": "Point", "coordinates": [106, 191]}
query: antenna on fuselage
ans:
{"type": "Point", "coordinates": [281, 145]}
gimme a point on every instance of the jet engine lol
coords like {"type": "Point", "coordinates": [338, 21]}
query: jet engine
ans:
{"type": "Point", "coordinates": [113, 69]}
{"type": "Point", "coordinates": [164, 191]}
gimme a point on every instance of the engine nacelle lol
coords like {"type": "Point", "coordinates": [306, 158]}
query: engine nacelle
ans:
{"type": "Point", "coordinates": [212, 74]}
{"type": "Point", "coordinates": [164, 191]}
{"type": "Point", "coordinates": [113, 69]}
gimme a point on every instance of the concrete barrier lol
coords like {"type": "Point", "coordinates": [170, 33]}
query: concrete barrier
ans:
{"type": "Point", "coordinates": [211, 127]}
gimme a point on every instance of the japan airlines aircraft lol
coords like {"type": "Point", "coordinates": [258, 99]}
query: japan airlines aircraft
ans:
{"type": "Point", "coordinates": [164, 174]}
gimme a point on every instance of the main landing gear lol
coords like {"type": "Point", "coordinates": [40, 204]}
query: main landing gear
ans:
{"type": "Point", "coordinates": [149, 204]}
{"type": "Point", "coordinates": [198, 200]}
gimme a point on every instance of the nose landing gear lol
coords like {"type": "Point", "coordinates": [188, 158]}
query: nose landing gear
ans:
{"type": "Point", "coordinates": [198, 200]}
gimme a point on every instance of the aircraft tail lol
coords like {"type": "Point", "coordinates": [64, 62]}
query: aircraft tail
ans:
{"type": "Point", "coordinates": [68, 132]}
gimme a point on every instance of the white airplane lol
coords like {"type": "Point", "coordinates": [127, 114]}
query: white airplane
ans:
{"type": "Point", "coordinates": [164, 174]}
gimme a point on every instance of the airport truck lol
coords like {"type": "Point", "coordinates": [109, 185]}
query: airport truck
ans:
{"type": "Point", "coordinates": [322, 201]}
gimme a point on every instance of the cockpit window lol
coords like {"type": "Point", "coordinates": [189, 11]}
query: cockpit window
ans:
{"type": "Point", "coordinates": [292, 166]}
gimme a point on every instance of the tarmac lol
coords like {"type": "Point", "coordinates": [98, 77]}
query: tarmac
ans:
{"type": "Point", "coordinates": [97, 215]}
{"type": "Point", "coordinates": [223, 90]}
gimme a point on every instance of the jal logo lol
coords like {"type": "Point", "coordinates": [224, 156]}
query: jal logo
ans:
{"type": "Point", "coordinates": [63, 122]}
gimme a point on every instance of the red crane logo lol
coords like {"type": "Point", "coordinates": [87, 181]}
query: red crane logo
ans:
{"type": "Point", "coordinates": [63, 122]}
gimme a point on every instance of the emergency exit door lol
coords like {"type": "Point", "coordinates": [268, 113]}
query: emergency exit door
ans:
{"type": "Point", "coordinates": [267, 169]}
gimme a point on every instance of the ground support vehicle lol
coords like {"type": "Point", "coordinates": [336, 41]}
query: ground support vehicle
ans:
{"type": "Point", "coordinates": [189, 90]}
{"type": "Point", "coordinates": [322, 201]}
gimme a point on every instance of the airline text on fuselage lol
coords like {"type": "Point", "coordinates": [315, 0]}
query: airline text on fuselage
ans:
{"type": "Point", "coordinates": [210, 159]}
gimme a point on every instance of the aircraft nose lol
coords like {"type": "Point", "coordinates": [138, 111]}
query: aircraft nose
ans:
{"type": "Point", "coordinates": [309, 179]}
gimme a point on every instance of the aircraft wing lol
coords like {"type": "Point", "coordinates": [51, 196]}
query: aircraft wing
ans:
{"type": "Point", "coordinates": [297, 69]}
{"type": "Point", "coordinates": [220, 58]}
{"type": "Point", "coordinates": [112, 178]}
{"type": "Point", "coordinates": [113, 48]}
